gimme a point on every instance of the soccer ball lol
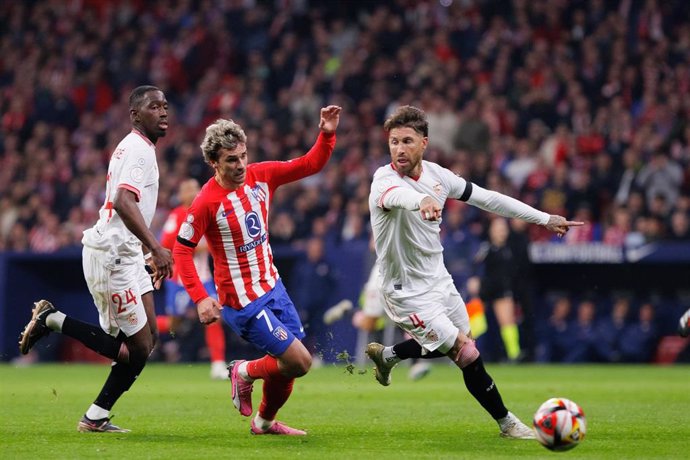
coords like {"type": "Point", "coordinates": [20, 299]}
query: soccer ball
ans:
{"type": "Point", "coordinates": [559, 424]}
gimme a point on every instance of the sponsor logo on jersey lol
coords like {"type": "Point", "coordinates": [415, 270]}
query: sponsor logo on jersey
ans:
{"type": "Point", "coordinates": [280, 333]}
{"type": "Point", "coordinates": [253, 224]}
{"type": "Point", "coordinates": [252, 245]}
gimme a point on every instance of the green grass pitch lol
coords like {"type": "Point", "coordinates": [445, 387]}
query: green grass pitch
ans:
{"type": "Point", "coordinates": [175, 411]}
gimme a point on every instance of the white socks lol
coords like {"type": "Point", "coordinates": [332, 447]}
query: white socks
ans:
{"type": "Point", "coordinates": [242, 371]}
{"type": "Point", "coordinates": [262, 423]}
{"type": "Point", "coordinates": [389, 356]}
{"type": "Point", "coordinates": [54, 321]}
{"type": "Point", "coordinates": [95, 412]}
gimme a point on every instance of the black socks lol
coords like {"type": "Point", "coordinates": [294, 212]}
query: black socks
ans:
{"type": "Point", "coordinates": [411, 349]}
{"type": "Point", "coordinates": [482, 387]}
{"type": "Point", "coordinates": [93, 337]}
{"type": "Point", "coordinates": [121, 378]}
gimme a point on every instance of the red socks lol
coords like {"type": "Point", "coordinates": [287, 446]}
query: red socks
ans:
{"type": "Point", "coordinates": [163, 323]}
{"type": "Point", "coordinates": [263, 368]}
{"type": "Point", "coordinates": [276, 389]}
{"type": "Point", "coordinates": [215, 341]}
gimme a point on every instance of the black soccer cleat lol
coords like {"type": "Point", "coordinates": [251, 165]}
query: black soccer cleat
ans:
{"type": "Point", "coordinates": [37, 327]}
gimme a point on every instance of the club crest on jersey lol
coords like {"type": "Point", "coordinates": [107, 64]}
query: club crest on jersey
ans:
{"type": "Point", "coordinates": [280, 333]}
{"type": "Point", "coordinates": [258, 193]}
{"type": "Point", "coordinates": [132, 319]}
{"type": "Point", "coordinates": [438, 189]}
{"type": "Point", "coordinates": [432, 335]}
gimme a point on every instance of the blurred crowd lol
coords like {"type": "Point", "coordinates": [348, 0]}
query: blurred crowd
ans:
{"type": "Point", "coordinates": [580, 108]}
{"type": "Point", "coordinates": [623, 332]}
{"type": "Point", "coordinates": [577, 107]}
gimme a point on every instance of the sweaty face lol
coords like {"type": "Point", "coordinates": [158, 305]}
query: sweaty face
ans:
{"type": "Point", "coordinates": [407, 149]}
{"type": "Point", "coordinates": [152, 115]}
{"type": "Point", "coordinates": [231, 167]}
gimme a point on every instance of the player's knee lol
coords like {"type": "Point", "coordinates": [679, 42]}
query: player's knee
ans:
{"type": "Point", "coordinates": [302, 365]}
{"type": "Point", "coordinates": [299, 365]}
{"type": "Point", "coordinates": [468, 354]}
{"type": "Point", "coordinates": [139, 350]}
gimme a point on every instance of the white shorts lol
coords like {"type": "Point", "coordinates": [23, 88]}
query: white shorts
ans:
{"type": "Point", "coordinates": [372, 299]}
{"type": "Point", "coordinates": [116, 289]}
{"type": "Point", "coordinates": [434, 318]}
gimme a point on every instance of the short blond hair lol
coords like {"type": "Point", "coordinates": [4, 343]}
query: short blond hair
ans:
{"type": "Point", "coordinates": [221, 134]}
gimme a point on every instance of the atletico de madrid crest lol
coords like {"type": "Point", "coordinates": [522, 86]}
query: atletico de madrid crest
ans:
{"type": "Point", "coordinates": [258, 193]}
{"type": "Point", "coordinates": [280, 333]}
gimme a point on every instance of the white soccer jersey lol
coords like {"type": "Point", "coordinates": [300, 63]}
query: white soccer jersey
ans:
{"type": "Point", "coordinates": [409, 248]}
{"type": "Point", "coordinates": [133, 167]}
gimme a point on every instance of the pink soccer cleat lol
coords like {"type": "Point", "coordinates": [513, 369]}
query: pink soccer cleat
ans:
{"type": "Point", "coordinates": [241, 390]}
{"type": "Point", "coordinates": [277, 428]}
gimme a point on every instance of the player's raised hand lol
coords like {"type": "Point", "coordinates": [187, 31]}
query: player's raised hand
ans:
{"type": "Point", "coordinates": [560, 225]}
{"type": "Point", "coordinates": [330, 117]}
{"type": "Point", "coordinates": [430, 209]}
{"type": "Point", "coordinates": [209, 310]}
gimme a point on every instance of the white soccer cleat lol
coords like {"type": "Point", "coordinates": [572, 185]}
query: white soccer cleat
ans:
{"type": "Point", "coordinates": [336, 312]}
{"type": "Point", "coordinates": [513, 428]}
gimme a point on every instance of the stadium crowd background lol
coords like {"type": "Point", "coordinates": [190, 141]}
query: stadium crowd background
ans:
{"type": "Point", "coordinates": [579, 108]}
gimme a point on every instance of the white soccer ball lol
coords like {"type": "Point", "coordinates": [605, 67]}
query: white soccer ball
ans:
{"type": "Point", "coordinates": [559, 424]}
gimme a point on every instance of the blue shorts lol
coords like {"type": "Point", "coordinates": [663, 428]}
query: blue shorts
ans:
{"type": "Point", "coordinates": [270, 323]}
{"type": "Point", "coordinates": [177, 300]}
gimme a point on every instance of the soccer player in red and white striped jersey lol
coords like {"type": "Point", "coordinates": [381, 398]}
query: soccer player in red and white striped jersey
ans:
{"type": "Point", "coordinates": [232, 213]}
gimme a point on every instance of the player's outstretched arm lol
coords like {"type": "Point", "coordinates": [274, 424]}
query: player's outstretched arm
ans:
{"type": "Point", "coordinates": [330, 117]}
{"type": "Point", "coordinates": [560, 225]}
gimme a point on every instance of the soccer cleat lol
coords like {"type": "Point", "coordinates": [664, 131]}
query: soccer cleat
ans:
{"type": "Point", "coordinates": [241, 390]}
{"type": "Point", "coordinates": [512, 427]}
{"type": "Point", "coordinates": [36, 329]}
{"type": "Point", "coordinates": [103, 425]}
{"type": "Point", "coordinates": [684, 325]}
{"type": "Point", "coordinates": [277, 428]}
{"type": "Point", "coordinates": [336, 312]}
{"type": "Point", "coordinates": [382, 369]}
{"type": "Point", "coordinates": [419, 370]}
{"type": "Point", "coordinates": [219, 370]}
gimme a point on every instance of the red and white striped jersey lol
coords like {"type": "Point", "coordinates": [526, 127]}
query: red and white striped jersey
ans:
{"type": "Point", "coordinates": [168, 236]}
{"type": "Point", "coordinates": [235, 224]}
